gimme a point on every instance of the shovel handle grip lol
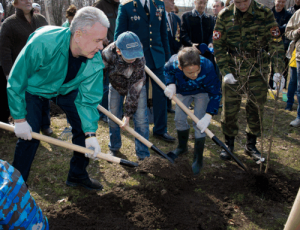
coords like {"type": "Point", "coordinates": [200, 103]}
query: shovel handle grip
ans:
{"type": "Point", "coordinates": [178, 102]}
{"type": "Point", "coordinates": [128, 129]}
{"type": "Point", "coordinates": [64, 144]}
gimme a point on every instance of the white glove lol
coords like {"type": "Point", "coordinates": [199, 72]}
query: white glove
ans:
{"type": "Point", "coordinates": [125, 122]}
{"type": "Point", "coordinates": [204, 122]}
{"type": "Point", "coordinates": [23, 130]}
{"type": "Point", "coordinates": [229, 79]}
{"type": "Point", "coordinates": [92, 143]}
{"type": "Point", "coordinates": [281, 84]}
{"type": "Point", "coordinates": [170, 90]}
{"type": "Point", "coordinates": [276, 77]}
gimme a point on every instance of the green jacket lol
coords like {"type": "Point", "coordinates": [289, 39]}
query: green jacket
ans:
{"type": "Point", "coordinates": [246, 43]}
{"type": "Point", "coordinates": [66, 24]}
{"type": "Point", "coordinates": [41, 68]}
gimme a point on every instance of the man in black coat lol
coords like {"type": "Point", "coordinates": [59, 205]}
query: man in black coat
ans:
{"type": "Point", "coordinates": [196, 26]}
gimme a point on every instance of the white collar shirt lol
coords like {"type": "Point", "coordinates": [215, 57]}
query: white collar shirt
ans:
{"type": "Point", "coordinates": [148, 3]}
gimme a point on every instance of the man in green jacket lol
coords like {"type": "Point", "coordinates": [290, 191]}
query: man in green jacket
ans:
{"type": "Point", "coordinates": [64, 65]}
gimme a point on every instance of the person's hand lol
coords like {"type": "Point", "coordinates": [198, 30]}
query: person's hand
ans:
{"type": "Point", "coordinates": [277, 77]}
{"type": "Point", "coordinates": [92, 143]}
{"type": "Point", "coordinates": [229, 79]}
{"type": "Point", "coordinates": [195, 45]}
{"type": "Point", "coordinates": [7, 76]}
{"type": "Point", "coordinates": [282, 81]}
{"type": "Point", "coordinates": [204, 122]}
{"type": "Point", "coordinates": [210, 45]}
{"type": "Point", "coordinates": [170, 90]}
{"type": "Point", "coordinates": [23, 130]}
{"type": "Point", "coordinates": [298, 30]}
{"type": "Point", "coordinates": [125, 122]}
{"type": "Point", "coordinates": [105, 42]}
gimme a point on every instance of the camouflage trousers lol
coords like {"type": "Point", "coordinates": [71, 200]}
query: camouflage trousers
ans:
{"type": "Point", "coordinates": [255, 88]}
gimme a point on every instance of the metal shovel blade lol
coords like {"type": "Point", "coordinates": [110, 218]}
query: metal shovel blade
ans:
{"type": "Point", "coordinates": [128, 163]}
{"type": "Point", "coordinates": [169, 157]}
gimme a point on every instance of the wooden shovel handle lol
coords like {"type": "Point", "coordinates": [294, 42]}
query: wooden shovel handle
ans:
{"type": "Point", "coordinates": [64, 144]}
{"type": "Point", "coordinates": [128, 129]}
{"type": "Point", "coordinates": [178, 102]}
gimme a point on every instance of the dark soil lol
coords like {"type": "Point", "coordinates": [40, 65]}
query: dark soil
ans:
{"type": "Point", "coordinates": [55, 110]}
{"type": "Point", "coordinates": [170, 197]}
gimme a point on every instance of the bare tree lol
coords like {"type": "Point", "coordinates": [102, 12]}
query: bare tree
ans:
{"type": "Point", "coordinates": [57, 7]}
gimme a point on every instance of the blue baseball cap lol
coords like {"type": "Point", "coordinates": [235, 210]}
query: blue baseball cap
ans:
{"type": "Point", "coordinates": [130, 45]}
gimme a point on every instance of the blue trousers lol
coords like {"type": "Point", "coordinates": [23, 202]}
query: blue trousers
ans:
{"type": "Point", "coordinates": [298, 88]}
{"type": "Point", "coordinates": [140, 119]}
{"type": "Point", "coordinates": [292, 86]}
{"type": "Point", "coordinates": [159, 102]}
{"type": "Point", "coordinates": [26, 150]}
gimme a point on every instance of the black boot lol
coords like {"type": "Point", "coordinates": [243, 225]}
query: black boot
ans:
{"type": "Point", "coordinates": [183, 137]}
{"type": "Point", "coordinates": [198, 155]}
{"type": "Point", "coordinates": [250, 147]}
{"type": "Point", "coordinates": [229, 142]}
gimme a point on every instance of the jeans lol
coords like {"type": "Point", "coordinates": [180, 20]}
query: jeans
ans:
{"type": "Point", "coordinates": [104, 102]}
{"type": "Point", "coordinates": [292, 87]}
{"type": "Point", "coordinates": [201, 101]}
{"type": "Point", "coordinates": [298, 88]}
{"type": "Point", "coordinates": [140, 119]}
{"type": "Point", "coordinates": [25, 150]}
{"type": "Point", "coordinates": [159, 102]}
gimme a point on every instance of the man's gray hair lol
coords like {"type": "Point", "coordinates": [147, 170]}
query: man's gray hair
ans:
{"type": "Point", "coordinates": [86, 17]}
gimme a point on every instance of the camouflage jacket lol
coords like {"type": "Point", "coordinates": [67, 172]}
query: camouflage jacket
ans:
{"type": "Point", "coordinates": [127, 79]}
{"type": "Point", "coordinates": [244, 44]}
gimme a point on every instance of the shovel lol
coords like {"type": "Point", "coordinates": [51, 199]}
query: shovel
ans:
{"type": "Point", "coordinates": [170, 156]}
{"type": "Point", "coordinates": [195, 119]}
{"type": "Point", "coordinates": [73, 147]}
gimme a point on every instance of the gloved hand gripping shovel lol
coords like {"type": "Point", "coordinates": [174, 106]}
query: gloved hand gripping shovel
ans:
{"type": "Point", "coordinates": [170, 156]}
{"type": "Point", "coordinates": [73, 147]}
{"type": "Point", "coordinates": [195, 119]}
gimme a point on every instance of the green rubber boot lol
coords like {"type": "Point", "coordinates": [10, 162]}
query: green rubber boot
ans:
{"type": "Point", "coordinates": [198, 155]}
{"type": "Point", "coordinates": [183, 137]}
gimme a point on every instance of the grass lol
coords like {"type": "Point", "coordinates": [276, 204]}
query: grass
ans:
{"type": "Point", "coordinates": [51, 164]}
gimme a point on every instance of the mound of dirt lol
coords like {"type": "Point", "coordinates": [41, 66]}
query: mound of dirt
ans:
{"type": "Point", "coordinates": [163, 168]}
{"type": "Point", "coordinates": [178, 200]}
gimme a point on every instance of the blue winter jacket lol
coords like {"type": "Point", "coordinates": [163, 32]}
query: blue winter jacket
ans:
{"type": "Point", "coordinates": [206, 82]}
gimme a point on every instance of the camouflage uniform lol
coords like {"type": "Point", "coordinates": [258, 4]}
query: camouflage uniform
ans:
{"type": "Point", "coordinates": [245, 44]}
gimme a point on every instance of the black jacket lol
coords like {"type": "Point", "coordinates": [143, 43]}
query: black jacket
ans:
{"type": "Point", "coordinates": [174, 39]}
{"type": "Point", "coordinates": [110, 8]}
{"type": "Point", "coordinates": [293, 9]}
{"type": "Point", "coordinates": [282, 18]}
{"type": "Point", "coordinates": [191, 31]}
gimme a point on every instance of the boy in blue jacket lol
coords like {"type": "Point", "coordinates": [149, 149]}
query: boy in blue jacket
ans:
{"type": "Point", "coordinates": [194, 78]}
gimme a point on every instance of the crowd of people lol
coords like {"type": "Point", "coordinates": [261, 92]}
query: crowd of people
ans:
{"type": "Point", "coordinates": [99, 54]}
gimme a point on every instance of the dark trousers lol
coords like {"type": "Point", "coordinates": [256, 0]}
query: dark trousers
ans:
{"type": "Point", "coordinates": [46, 116]}
{"type": "Point", "coordinates": [104, 102]}
{"type": "Point", "coordinates": [4, 109]}
{"type": "Point", "coordinates": [159, 102]}
{"type": "Point", "coordinates": [25, 150]}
